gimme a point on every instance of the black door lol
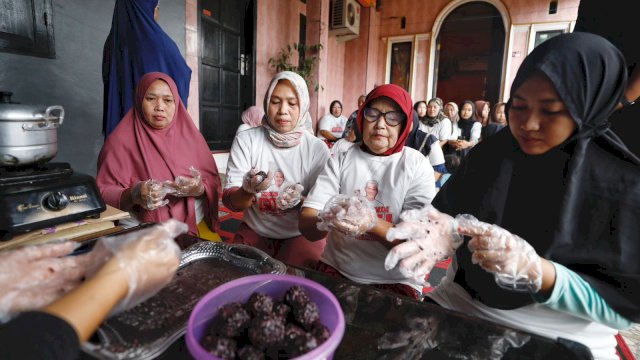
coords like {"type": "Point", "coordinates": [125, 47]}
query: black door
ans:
{"type": "Point", "coordinates": [227, 70]}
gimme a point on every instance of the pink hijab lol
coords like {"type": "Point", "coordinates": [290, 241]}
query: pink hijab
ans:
{"type": "Point", "coordinates": [480, 104]}
{"type": "Point", "coordinates": [135, 152]}
{"type": "Point", "coordinates": [253, 116]}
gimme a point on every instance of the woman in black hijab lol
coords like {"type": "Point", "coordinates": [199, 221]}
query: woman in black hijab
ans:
{"type": "Point", "coordinates": [563, 184]}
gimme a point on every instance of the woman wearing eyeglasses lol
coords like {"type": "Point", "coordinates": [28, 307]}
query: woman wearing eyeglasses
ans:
{"type": "Point", "coordinates": [357, 219]}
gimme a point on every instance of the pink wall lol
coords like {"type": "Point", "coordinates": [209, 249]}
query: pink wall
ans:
{"type": "Point", "coordinates": [273, 34]}
{"type": "Point", "coordinates": [348, 69]}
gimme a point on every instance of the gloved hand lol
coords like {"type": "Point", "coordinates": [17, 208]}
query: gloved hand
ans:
{"type": "Point", "coordinates": [289, 197]}
{"type": "Point", "coordinates": [184, 186]}
{"type": "Point", "coordinates": [513, 261]}
{"type": "Point", "coordinates": [149, 194]}
{"type": "Point", "coordinates": [431, 237]}
{"type": "Point", "coordinates": [256, 181]}
{"type": "Point", "coordinates": [149, 257]}
{"type": "Point", "coordinates": [350, 215]}
{"type": "Point", "coordinates": [32, 277]}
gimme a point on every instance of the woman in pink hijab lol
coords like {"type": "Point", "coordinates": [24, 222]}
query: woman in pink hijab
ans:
{"type": "Point", "coordinates": [252, 117]}
{"type": "Point", "coordinates": [157, 165]}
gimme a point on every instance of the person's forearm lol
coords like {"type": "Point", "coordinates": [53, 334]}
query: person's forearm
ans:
{"type": "Point", "coordinates": [548, 278]}
{"type": "Point", "coordinates": [126, 202]}
{"type": "Point", "coordinates": [238, 199]}
{"type": "Point", "coordinates": [328, 135]}
{"type": "Point", "coordinates": [86, 307]}
{"type": "Point", "coordinates": [379, 233]}
{"type": "Point", "coordinates": [632, 92]}
{"type": "Point", "coordinates": [308, 224]}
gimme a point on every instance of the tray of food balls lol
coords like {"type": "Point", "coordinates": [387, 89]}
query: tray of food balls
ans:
{"type": "Point", "coordinates": [147, 330]}
{"type": "Point", "coordinates": [266, 316]}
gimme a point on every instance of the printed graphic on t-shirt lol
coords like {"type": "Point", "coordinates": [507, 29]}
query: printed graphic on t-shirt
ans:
{"type": "Point", "coordinates": [337, 130]}
{"type": "Point", "coordinates": [267, 198]}
{"type": "Point", "coordinates": [382, 211]}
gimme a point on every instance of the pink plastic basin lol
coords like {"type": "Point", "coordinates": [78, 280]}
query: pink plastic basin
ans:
{"type": "Point", "coordinates": [239, 290]}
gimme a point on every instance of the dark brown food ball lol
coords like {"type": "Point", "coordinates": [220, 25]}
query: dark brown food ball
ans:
{"type": "Point", "coordinates": [219, 346]}
{"type": "Point", "coordinates": [260, 303]}
{"type": "Point", "coordinates": [266, 330]}
{"type": "Point", "coordinates": [301, 345]}
{"type": "Point", "coordinates": [291, 332]}
{"type": "Point", "coordinates": [231, 320]}
{"type": "Point", "coordinates": [281, 309]}
{"type": "Point", "coordinates": [249, 352]}
{"type": "Point", "coordinates": [320, 332]}
{"type": "Point", "coordinates": [306, 314]}
{"type": "Point", "coordinates": [296, 296]}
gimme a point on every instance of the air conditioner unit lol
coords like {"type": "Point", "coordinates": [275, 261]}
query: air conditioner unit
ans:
{"type": "Point", "coordinates": [345, 19]}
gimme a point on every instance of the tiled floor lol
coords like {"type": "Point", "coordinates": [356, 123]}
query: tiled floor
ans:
{"type": "Point", "coordinates": [229, 222]}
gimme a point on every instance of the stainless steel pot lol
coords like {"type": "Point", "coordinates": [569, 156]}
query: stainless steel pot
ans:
{"type": "Point", "coordinates": [28, 133]}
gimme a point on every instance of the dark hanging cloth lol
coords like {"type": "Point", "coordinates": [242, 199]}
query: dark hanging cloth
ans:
{"type": "Point", "coordinates": [577, 204]}
{"type": "Point", "coordinates": [135, 46]}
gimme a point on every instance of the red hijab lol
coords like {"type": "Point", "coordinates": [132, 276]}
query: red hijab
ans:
{"type": "Point", "coordinates": [135, 151]}
{"type": "Point", "coordinates": [401, 97]}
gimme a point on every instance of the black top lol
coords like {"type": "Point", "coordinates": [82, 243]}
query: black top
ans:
{"type": "Point", "coordinates": [579, 203]}
{"type": "Point", "coordinates": [38, 335]}
{"type": "Point", "coordinates": [615, 21]}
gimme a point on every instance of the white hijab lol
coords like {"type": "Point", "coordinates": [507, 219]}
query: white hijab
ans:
{"type": "Point", "coordinates": [291, 138]}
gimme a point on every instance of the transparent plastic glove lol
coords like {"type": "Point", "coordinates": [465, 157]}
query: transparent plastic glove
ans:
{"type": "Point", "coordinates": [350, 215]}
{"type": "Point", "coordinates": [32, 277]}
{"type": "Point", "coordinates": [149, 194]}
{"type": "Point", "coordinates": [289, 197]}
{"type": "Point", "coordinates": [256, 181]}
{"type": "Point", "coordinates": [513, 261]}
{"type": "Point", "coordinates": [184, 186]}
{"type": "Point", "coordinates": [431, 237]}
{"type": "Point", "coordinates": [149, 257]}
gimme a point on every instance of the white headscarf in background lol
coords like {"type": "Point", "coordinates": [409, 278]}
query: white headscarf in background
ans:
{"type": "Point", "coordinates": [291, 138]}
{"type": "Point", "coordinates": [253, 116]}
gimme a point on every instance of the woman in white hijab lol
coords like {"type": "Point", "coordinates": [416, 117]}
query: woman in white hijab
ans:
{"type": "Point", "coordinates": [282, 143]}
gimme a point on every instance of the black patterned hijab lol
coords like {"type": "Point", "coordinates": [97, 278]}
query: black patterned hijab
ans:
{"type": "Point", "coordinates": [577, 204]}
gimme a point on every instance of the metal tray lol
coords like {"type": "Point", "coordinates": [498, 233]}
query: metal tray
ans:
{"type": "Point", "coordinates": [148, 329]}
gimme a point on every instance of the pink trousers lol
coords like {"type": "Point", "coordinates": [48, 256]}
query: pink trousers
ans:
{"type": "Point", "coordinates": [297, 251]}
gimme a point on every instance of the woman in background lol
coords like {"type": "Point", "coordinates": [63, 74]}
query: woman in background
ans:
{"type": "Point", "coordinates": [252, 117]}
{"type": "Point", "coordinates": [467, 134]}
{"type": "Point", "coordinates": [483, 108]}
{"type": "Point", "coordinates": [498, 121]}
{"type": "Point", "coordinates": [331, 126]}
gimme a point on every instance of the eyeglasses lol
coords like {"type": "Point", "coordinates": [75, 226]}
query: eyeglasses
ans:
{"type": "Point", "coordinates": [392, 118]}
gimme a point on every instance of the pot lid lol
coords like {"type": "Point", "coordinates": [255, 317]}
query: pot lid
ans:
{"type": "Point", "coordinates": [11, 111]}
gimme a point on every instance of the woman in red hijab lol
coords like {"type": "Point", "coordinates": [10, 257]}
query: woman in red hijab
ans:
{"type": "Point", "coordinates": [157, 165]}
{"type": "Point", "coordinates": [361, 192]}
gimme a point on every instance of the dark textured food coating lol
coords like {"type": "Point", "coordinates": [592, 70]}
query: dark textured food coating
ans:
{"type": "Point", "coordinates": [301, 345]}
{"type": "Point", "coordinates": [306, 314]}
{"type": "Point", "coordinates": [259, 303]}
{"type": "Point", "coordinates": [249, 352]}
{"type": "Point", "coordinates": [220, 346]}
{"type": "Point", "coordinates": [296, 296]}
{"type": "Point", "coordinates": [282, 309]}
{"type": "Point", "coordinates": [320, 332]}
{"type": "Point", "coordinates": [231, 320]}
{"type": "Point", "coordinates": [266, 330]}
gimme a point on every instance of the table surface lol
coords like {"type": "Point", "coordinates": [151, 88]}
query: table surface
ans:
{"type": "Point", "coordinates": [383, 325]}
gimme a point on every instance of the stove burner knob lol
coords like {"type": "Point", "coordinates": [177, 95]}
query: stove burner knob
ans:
{"type": "Point", "coordinates": [56, 201]}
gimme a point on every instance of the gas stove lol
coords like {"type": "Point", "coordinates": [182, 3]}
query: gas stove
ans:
{"type": "Point", "coordinates": [37, 196]}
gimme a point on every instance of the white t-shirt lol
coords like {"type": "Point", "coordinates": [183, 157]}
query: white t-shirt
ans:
{"type": "Point", "coordinates": [534, 318]}
{"type": "Point", "coordinates": [341, 145]}
{"type": "Point", "coordinates": [405, 181]}
{"type": "Point", "coordinates": [436, 156]}
{"type": "Point", "coordinates": [298, 164]}
{"type": "Point", "coordinates": [441, 130]}
{"type": "Point", "coordinates": [335, 125]}
{"type": "Point", "coordinates": [476, 129]}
